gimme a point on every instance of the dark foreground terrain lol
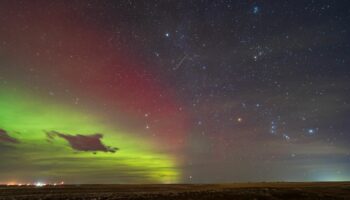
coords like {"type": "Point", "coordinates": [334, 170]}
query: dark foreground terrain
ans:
{"type": "Point", "coordinates": [254, 191]}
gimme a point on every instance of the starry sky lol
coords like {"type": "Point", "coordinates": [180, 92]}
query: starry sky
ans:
{"type": "Point", "coordinates": [165, 91]}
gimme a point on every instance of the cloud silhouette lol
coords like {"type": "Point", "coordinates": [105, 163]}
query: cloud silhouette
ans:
{"type": "Point", "coordinates": [4, 137]}
{"type": "Point", "coordinates": [83, 142]}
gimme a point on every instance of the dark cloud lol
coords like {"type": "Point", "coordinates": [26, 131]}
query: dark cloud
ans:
{"type": "Point", "coordinates": [84, 142]}
{"type": "Point", "coordinates": [4, 137]}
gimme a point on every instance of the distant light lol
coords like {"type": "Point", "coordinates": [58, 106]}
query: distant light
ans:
{"type": "Point", "coordinates": [39, 184]}
{"type": "Point", "coordinates": [167, 34]}
{"type": "Point", "coordinates": [11, 184]}
{"type": "Point", "coordinates": [239, 119]}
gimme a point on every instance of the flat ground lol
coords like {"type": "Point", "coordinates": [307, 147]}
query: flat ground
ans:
{"type": "Point", "coordinates": [252, 191]}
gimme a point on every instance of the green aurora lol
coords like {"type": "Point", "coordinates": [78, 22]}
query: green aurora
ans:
{"type": "Point", "coordinates": [27, 118]}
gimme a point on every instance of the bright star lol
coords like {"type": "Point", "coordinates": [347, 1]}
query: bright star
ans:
{"type": "Point", "coordinates": [311, 131]}
{"type": "Point", "coordinates": [256, 9]}
{"type": "Point", "coordinates": [285, 136]}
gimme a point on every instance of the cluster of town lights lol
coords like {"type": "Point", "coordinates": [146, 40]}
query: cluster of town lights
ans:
{"type": "Point", "coordinates": [36, 184]}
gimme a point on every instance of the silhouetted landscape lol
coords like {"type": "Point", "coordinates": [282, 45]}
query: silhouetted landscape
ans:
{"type": "Point", "coordinates": [256, 191]}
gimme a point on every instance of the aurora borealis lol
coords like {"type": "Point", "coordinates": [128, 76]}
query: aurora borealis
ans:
{"type": "Point", "coordinates": [89, 104]}
{"type": "Point", "coordinates": [38, 117]}
{"type": "Point", "coordinates": [174, 91]}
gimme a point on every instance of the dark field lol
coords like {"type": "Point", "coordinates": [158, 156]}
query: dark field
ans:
{"type": "Point", "coordinates": [253, 191]}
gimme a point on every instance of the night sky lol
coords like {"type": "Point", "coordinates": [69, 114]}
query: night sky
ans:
{"type": "Point", "coordinates": [174, 91]}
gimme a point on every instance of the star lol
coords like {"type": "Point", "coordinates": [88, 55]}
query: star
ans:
{"type": "Point", "coordinates": [312, 131]}
{"type": "Point", "coordinates": [167, 34]}
{"type": "Point", "coordinates": [256, 10]}
{"type": "Point", "coordinates": [286, 137]}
